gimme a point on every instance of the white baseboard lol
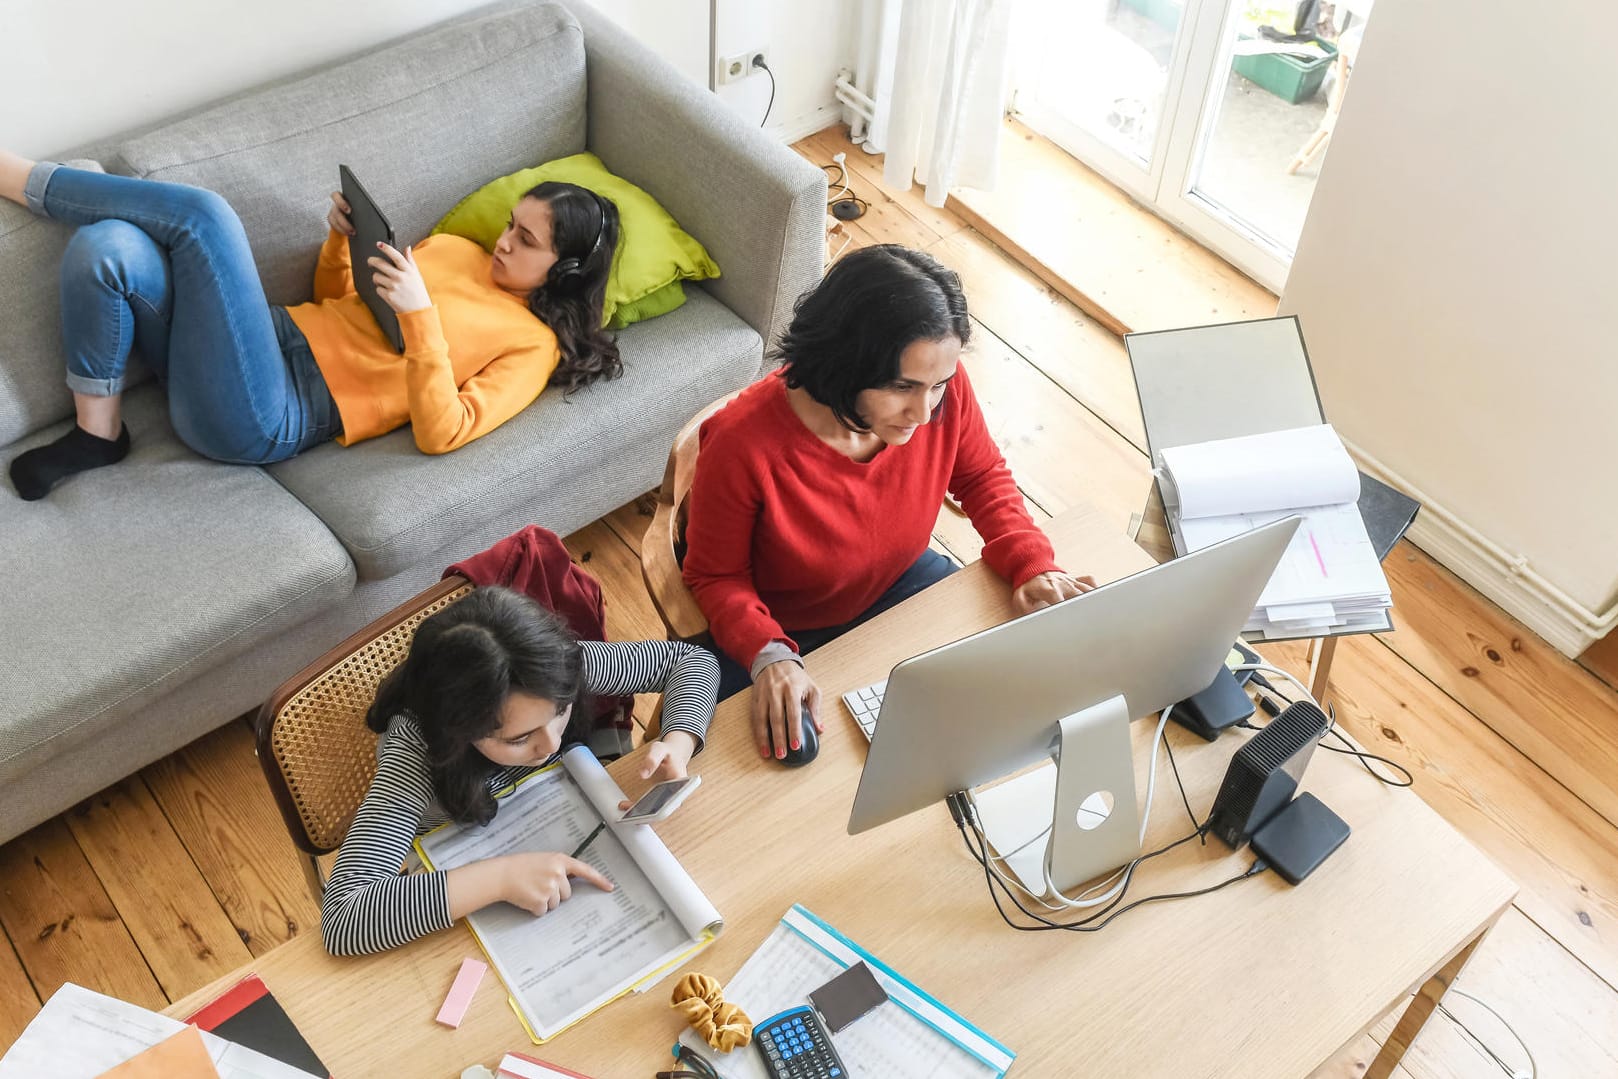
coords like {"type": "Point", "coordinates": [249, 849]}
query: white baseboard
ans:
{"type": "Point", "coordinates": [1520, 592]}
{"type": "Point", "coordinates": [790, 129]}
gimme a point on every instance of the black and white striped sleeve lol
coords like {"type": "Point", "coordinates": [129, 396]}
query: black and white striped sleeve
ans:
{"type": "Point", "coordinates": [368, 906]}
{"type": "Point", "coordinates": [686, 675]}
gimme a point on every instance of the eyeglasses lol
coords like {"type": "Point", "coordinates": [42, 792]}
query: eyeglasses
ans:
{"type": "Point", "coordinates": [691, 1066]}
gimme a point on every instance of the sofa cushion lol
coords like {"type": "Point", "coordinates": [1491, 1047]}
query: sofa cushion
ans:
{"type": "Point", "coordinates": [421, 122]}
{"type": "Point", "coordinates": [128, 581]}
{"type": "Point", "coordinates": [392, 506]}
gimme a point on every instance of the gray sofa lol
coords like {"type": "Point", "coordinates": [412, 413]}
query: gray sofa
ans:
{"type": "Point", "coordinates": [149, 603]}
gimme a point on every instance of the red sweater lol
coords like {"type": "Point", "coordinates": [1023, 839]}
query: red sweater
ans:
{"type": "Point", "coordinates": [787, 532]}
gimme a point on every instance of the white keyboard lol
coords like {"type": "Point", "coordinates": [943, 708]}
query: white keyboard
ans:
{"type": "Point", "coordinates": [864, 704]}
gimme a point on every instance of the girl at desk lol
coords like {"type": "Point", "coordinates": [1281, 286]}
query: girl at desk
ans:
{"type": "Point", "coordinates": [492, 689]}
{"type": "Point", "coordinates": [817, 490]}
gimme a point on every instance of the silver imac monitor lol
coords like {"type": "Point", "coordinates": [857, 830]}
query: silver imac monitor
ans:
{"type": "Point", "coordinates": [1065, 682]}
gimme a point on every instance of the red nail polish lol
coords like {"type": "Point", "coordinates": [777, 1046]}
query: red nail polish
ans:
{"type": "Point", "coordinates": [795, 745]}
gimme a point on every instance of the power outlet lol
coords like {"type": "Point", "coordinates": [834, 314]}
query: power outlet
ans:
{"type": "Point", "coordinates": [739, 66]}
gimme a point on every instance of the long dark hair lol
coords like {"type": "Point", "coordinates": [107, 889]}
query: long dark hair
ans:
{"type": "Point", "coordinates": [847, 334]}
{"type": "Point", "coordinates": [462, 664]}
{"type": "Point", "coordinates": [571, 303]}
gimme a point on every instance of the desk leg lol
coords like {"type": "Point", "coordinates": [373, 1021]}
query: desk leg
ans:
{"type": "Point", "coordinates": [1321, 651]}
{"type": "Point", "coordinates": [1417, 1011]}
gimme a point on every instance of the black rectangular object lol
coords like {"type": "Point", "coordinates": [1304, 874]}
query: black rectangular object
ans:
{"type": "Point", "coordinates": [1300, 837]}
{"type": "Point", "coordinates": [848, 996]}
{"type": "Point", "coordinates": [1264, 773]}
{"type": "Point", "coordinates": [370, 228]}
{"type": "Point", "coordinates": [1212, 711]}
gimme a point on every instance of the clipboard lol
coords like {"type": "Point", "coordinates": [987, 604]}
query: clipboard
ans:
{"type": "Point", "coordinates": [1226, 380]}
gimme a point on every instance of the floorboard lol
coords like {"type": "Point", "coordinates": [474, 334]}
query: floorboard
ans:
{"type": "Point", "coordinates": [214, 794]}
{"type": "Point", "coordinates": [62, 922]}
{"type": "Point", "coordinates": [1560, 715]}
{"type": "Point", "coordinates": [169, 910]}
{"type": "Point", "coordinates": [18, 1001]}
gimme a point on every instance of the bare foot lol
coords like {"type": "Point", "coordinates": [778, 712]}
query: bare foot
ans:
{"type": "Point", "coordinates": [14, 176]}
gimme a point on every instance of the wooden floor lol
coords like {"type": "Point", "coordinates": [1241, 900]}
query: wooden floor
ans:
{"type": "Point", "coordinates": [182, 872]}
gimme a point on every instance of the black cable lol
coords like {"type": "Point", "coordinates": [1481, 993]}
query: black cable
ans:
{"type": "Point", "coordinates": [980, 854]}
{"type": "Point", "coordinates": [758, 61]}
{"type": "Point", "coordinates": [1185, 801]}
{"type": "Point", "coordinates": [1083, 926]}
{"type": "Point", "coordinates": [1366, 759]}
{"type": "Point", "coordinates": [961, 810]}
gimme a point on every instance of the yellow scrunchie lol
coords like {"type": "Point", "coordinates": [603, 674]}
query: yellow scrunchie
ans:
{"type": "Point", "coordinates": [701, 1000]}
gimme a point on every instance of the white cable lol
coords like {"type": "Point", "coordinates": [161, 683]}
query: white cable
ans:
{"type": "Point", "coordinates": [1533, 1066]}
{"type": "Point", "coordinates": [1122, 876]}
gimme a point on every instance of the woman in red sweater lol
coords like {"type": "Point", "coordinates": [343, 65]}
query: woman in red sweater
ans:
{"type": "Point", "coordinates": [818, 487]}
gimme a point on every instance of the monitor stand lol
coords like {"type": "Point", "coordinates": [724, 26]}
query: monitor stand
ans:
{"type": "Point", "coordinates": [1088, 836]}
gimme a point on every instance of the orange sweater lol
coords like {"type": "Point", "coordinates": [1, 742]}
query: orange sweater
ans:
{"type": "Point", "coordinates": [472, 360]}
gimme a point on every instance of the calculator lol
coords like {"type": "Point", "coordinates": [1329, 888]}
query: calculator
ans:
{"type": "Point", "coordinates": [795, 1045]}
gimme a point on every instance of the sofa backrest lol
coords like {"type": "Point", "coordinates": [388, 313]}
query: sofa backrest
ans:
{"type": "Point", "coordinates": [422, 122]}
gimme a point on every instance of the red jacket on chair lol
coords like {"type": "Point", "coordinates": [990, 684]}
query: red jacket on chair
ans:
{"type": "Point", "coordinates": [533, 561]}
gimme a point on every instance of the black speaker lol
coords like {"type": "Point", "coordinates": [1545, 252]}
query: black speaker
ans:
{"type": "Point", "coordinates": [1264, 774]}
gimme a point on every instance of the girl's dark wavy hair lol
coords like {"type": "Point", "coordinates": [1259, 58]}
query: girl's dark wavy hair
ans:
{"type": "Point", "coordinates": [462, 664]}
{"type": "Point", "coordinates": [847, 334]}
{"type": "Point", "coordinates": [572, 308]}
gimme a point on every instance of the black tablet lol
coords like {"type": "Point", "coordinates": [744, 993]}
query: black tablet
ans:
{"type": "Point", "coordinates": [370, 228]}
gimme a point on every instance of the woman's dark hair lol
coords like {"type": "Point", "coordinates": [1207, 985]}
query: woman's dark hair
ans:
{"type": "Point", "coordinates": [570, 302]}
{"type": "Point", "coordinates": [462, 664]}
{"type": "Point", "coordinates": [847, 333]}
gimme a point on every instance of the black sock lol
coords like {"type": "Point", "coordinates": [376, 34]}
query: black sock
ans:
{"type": "Point", "coordinates": [34, 473]}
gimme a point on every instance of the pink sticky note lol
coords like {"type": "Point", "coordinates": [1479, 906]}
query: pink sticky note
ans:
{"type": "Point", "coordinates": [460, 994]}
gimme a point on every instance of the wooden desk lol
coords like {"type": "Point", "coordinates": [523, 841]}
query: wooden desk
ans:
{"type": "Point", "coordinates": [1260, 979]}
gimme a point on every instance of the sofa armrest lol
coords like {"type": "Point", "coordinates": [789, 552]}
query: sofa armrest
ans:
{"type": "Point", "coordinates": [758, 208]}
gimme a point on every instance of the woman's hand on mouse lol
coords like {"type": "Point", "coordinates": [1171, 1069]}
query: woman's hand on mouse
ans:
{"type": "Point", "coordinates": [779, 693]}
{"type": "Point", "coordinates": [398, 279]}
{"type": "Point", "coordinates": [539, 882]}
{"type": "Point", "coordinates": [337, 216]}
{"type": "Point", "coordinates": [1049, 589]}
{"type": "Point", "coordinates": [666, 759]}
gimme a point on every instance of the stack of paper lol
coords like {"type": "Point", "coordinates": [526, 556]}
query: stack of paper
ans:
{"type": "Point", "coordinates": [1329, 580]}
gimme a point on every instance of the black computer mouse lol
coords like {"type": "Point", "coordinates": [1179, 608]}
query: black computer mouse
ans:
{"type": "Point", "coordinates": [808, 744]}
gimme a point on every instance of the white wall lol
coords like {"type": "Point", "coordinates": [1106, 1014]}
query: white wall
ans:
{"type": "Point", "coordinates": [1457, 287]}
{"type": "Point", "coordinates": [71, 73]}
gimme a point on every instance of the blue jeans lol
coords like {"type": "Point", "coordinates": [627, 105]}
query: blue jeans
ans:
{"type": "Point", "coordinates": [165, 269]}
{"type": "Point", "coordinates": [929, 569]}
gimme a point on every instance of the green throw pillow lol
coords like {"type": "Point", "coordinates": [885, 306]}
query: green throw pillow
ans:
{"type": "Point", "coordinates": [654, 253]}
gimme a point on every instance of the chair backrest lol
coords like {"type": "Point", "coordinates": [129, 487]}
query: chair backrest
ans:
{"type": "Point", "coordinates": [659, 558]}
{"type": "Point", "coordinates": [313, 744]}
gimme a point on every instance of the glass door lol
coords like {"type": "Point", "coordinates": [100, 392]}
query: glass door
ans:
{"type": "Point", "coordinates": [1098, 78]}
{"type": "Point", "coordinates": [1226, 138]}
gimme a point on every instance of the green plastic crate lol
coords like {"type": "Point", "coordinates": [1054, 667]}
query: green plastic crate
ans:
{"type": "Point", "coordinates": [1287, 77]}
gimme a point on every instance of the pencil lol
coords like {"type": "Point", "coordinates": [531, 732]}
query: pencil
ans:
{"type": "Point", "coordinates": [591, 838]}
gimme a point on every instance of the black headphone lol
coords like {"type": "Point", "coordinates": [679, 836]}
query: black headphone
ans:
{"type": "Point", "coordinates": [569, 273]}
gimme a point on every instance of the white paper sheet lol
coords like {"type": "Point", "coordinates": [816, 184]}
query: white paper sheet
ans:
{"type": "Point", "coordinates": [1281, 470]}
{"type": "Point", "coordinates": [888, 1041]}
{"type": "Point", "coordinates": [566, 963]}
{"type": "Point", "coordinates": [81, 1033]}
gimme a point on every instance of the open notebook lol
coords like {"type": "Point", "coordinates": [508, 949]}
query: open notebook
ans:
{"type": "Point", "coordinates": [596, 946]}
{"type": "Point", "coordinates": [1330, 579]}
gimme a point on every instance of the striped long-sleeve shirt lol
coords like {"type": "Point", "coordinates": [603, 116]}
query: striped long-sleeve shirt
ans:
{"type": "Point", "coordinates": [368, 905]}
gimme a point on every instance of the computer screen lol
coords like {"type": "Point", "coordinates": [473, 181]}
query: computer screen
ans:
{"type": "Point", "coordinates": [979, 709]}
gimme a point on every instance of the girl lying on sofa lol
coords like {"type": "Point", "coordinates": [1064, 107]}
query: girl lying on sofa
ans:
{"type": "Point", "coordinates": [493, 687]}
{"type": "Point", "coordinates": [165, 269]}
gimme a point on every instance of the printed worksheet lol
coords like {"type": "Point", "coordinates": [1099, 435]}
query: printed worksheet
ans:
{"type": "Point", "coordinates": [562, 965]}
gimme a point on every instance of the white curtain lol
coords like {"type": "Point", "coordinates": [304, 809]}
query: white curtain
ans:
{"type": "Point", "coordinates": [937, 71]}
